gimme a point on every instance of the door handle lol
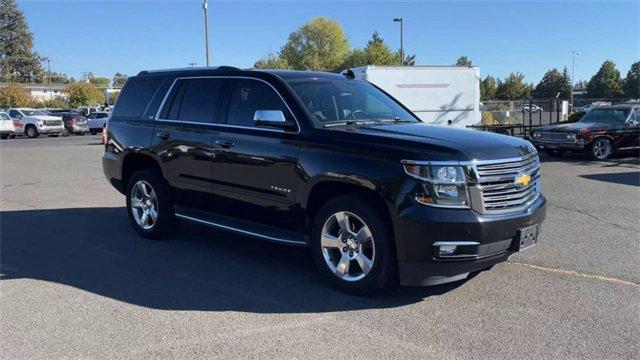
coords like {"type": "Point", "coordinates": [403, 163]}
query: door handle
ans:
{"type": "Point", "coordinates": [225, 144]}
{"type": "Point", "coordinates": [164, 136]}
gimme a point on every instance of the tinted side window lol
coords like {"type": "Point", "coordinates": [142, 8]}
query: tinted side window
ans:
{"type": "Point", "coordinates": [200, 99]}
{"type": "Point", "coordinates": [135, 96]}
{"type": "Point", "coordinates": [251, 95]}
{"type": "Point", "coordinates": [14, 113]}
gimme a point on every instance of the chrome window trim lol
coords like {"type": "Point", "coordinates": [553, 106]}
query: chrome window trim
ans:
{"type": "Point", "coordinates": [456, 243]}
{"type": "Point", "coordinates": [166, 96]}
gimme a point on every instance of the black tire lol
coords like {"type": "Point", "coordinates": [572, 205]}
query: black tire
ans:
{"type": "Point", "coordinates": [65, 132]}
{"type": "Point", "coordinates": [383, 273]}
{"type": "Point", "coordinates": [93, 132]}
{"type": "Point", "coordinates": [601, 149]}
{"type": "Point", "coordinates": [3, 137]}
{"type": "Point", "coordinates": [31, 131]}
{"type": "Point", "coordinates": [166, 222]}
{"type": "Point", "coordinates": [554, 152]}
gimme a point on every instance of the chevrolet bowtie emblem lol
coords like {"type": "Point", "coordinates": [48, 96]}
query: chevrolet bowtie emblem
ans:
{"type": "Point", "coordinates": [523, 179]}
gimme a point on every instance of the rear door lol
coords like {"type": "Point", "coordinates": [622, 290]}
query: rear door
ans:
{"type": "Point", "coordinates": [184, 134]}
{"type": "Point", "coordinates": [254, 170]}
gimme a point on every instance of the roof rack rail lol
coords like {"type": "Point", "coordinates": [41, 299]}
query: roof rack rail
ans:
{"type": "Point", "coordinates": [223, 67]}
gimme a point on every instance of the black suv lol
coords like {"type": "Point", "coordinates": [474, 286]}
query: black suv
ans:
{"type": "Point", "coordinates": [325, 161]}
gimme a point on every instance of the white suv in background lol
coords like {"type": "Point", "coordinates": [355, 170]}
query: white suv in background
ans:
{"type": "Point", "coordinates": [6, 126]}
{"type": "Point", "coordinates": [32, 122]}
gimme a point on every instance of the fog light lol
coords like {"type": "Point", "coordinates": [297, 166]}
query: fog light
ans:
{"type": "Point", "coordinates": [447, 250]}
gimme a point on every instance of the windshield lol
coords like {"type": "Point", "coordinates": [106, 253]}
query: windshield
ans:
{"type": "Point", "coordinates": [32, 112]}
{"type": "Point", "coordinates": [606, 116]}
{"type": "Point", "coordinates": [339, 101]}
{"type": "Point", "coordinates": [4, 116]}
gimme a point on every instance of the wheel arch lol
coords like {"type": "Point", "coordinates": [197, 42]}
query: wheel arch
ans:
{"type": "Point", "coordinates": [133, 162]}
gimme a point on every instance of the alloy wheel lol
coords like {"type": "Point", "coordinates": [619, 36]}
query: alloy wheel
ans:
{"type": "Point", "coordinates": [601, 149]}
{"type": "Point", "coordinates": [144, 205]}
{"type": "Point", "coordinates": [347, 246]}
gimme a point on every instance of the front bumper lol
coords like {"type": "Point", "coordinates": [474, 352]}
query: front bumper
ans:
{"type": "Point", "coordinates": [567, 145]}
{"type": "Point", "coordinates": [44, 129]}
{"type": "Point", "coordinates": [418, 228]}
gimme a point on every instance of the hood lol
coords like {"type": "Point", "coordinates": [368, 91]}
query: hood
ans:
{"type": "Point", "coordinates": [463, 144]}
{"type": "Point", "coordinates": [44, 117]}
{"type": "Point", "coordinates": [572, 127]}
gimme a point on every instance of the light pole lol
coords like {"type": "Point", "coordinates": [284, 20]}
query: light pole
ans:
{"type": "Point", "coordinates": [401, 41]}
{"type": "Point", "coordinates": [573, 71]}
{"type": "Point", "coordinates": [49, 75]}
{"type": "Point", "coordinates": [205, 8]}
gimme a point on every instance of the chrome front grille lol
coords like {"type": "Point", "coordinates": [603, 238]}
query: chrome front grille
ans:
{"type": "Point", "coordinates": [551, 136]}
{"type": "Point", "coordinates": [53, 122]}
{"type": "Point", "coordinates": [497, 188]}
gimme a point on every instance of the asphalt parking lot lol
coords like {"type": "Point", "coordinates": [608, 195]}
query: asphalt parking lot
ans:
{"type": "Point", "coordinates": [78, 283]}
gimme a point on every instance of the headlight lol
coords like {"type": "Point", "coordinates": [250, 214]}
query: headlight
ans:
{"type": "Point", "coordinates": [40, 122]}
{"type": "Point", "coordinates": [442, 185]}
{"type": "Point", "coordinates": [571, 137]}
{"type": "Point", "coordinates": [536, 135]}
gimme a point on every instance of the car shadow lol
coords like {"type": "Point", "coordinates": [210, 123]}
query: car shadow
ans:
{"type": "Point", "coordinates": [622, 159]}
{"type": "Point", "coordinates": [96, 250]}
{"type": "Point", "coordinates": [624, 178]}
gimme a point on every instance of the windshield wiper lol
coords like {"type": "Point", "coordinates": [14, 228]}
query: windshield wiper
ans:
{"type": "Point", "coordinates": [349, 122]}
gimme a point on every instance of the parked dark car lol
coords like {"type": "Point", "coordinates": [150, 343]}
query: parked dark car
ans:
{"type": "Point", "coordinates": [74, 121]}
{"type": "Point", "coordinates": [325, 161]}
{"type": "Point", "coordinates": [601, 132]}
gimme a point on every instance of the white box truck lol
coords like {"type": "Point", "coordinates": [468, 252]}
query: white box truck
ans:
{"type": "Point", "coordinates": [441, 95]}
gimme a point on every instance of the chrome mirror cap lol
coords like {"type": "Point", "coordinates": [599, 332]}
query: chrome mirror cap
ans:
{"type": "Point", "coordinates": [269, 116]}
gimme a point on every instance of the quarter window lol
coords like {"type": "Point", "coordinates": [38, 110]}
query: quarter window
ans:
{"type": "Point", "coordinates": [194, 100]}
{"type": "Point", "coordinates": [249, 96]}
{"type": "Point", "coordinates": [135, 97]}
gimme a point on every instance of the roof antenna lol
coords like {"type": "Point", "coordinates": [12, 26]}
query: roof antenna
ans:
{"type": "Point", "coordinates": [349, 73]}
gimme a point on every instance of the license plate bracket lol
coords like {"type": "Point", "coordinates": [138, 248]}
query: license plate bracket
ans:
{"type": "Point", "coordinates": [527, 237]}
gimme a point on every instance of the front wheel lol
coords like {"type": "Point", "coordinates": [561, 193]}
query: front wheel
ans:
{"type": "Point", "coordinates": [93, 132]}
{"type": "Point", "coordinates": [31, 132]}
{"type": "Point", "coordinates": [352, 246]}
{"type": "Point", "coordinates": [149, 205]}
{"type": "Point", "coordinates": [601, 149]}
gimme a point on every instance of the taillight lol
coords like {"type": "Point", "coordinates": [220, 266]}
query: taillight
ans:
{"type": "Point", "coordinates": [73, 120]}
{"type": "Point", "coordinates": [104, 134]}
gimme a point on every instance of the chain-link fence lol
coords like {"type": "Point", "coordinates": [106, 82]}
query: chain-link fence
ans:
{"type": "Point", "coordinates": [520, 116]}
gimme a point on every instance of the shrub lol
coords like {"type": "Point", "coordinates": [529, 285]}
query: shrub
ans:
{"type": "Point", "coordinates": [487, 119]}
{"type": "Point", "coordinates": [84, 94]}
{"type": "Point", "coordinates": [15, 95]}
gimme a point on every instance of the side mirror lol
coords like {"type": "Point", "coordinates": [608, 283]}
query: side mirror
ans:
{"type": "Point", "coordinates": [271, 118]}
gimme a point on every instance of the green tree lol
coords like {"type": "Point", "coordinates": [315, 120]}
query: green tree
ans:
{"type": "Point", "coordinates": [409, 60]}
{"type": "Point", "coordinates": [606, 82]}
{"type": "Point", "coordinates": [100, 80]}
{"type": "Point", "coordinates": [84, 94]}
{"type": "Point", "coordinates": [273, 61]}
{"type": "Point", "coordinates": [463, 61]}
{"type": "Point", "coordinates": [552, 83]}
{"type": "Point", "coordinates": [513, 87]}
{"type": "Point", "coordinates": [631, 83]}
{"type": "Point", "coordinates": [118, 80]}
{"type": "Point", "coordinates": [377, 52]}
{"type": "Point", "coordinates": [113, 97]}
{"type": "Point", "coordinates": [488, 88]}
{"type": "Point", "coordinates": [15, 95]}
{"type": "Point", "coordinates": [355, 58]}
{"type": "Point", "coordinates": [18, 61]}
{"type": "Point", "coordinates": [318, 45]}
{"type": "Point", "coordinates": [59, 78]}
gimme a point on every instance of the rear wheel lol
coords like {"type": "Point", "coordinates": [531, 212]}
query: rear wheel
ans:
{"type": "Point", "coordinates": [4, 136]}
{"type": "Point", "coordinates": [31, 132]}
{"type": "Point", "coordinates": [601, 149]}
{"type": "Point", "coordinates": [93, 132]}
{"type": "Point", "coordinates": [149, 205]}
{"type": "Point", "coordinates": [352, 247]}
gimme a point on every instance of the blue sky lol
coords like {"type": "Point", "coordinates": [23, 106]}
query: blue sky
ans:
{"type": "Point", "coordinates": [127, 36]}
